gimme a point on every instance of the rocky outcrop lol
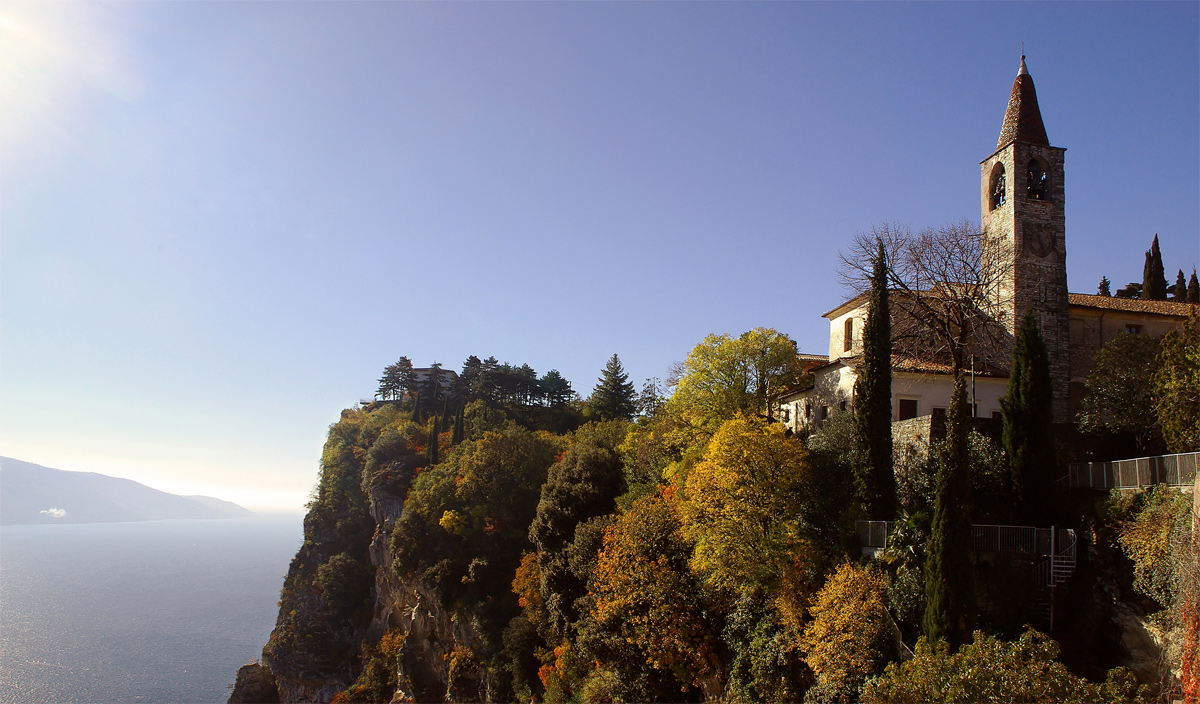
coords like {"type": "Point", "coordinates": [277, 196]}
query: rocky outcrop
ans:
{"type": "Point", "coordinates": [437, 643]}
{"type": "Point", "coordinates": [255, 685]}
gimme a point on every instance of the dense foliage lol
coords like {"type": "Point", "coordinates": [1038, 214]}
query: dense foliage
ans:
{"type": "Point", "coordinates": [1177, 387]}
{"type": "Point", "coordinates": [1120, 396]}
{"type": "Point", "coordinates": [687, 547]}
{"type": "Point", "coordinates": [991, 670]}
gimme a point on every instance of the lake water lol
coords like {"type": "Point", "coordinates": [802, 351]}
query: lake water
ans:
{"type": "Point", "coordinates": [156, 611]}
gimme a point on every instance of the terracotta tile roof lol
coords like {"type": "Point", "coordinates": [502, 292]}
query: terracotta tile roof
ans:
{"type": "Point", "coordinates": [929, 366]}
{"type": "Point", "coordinates": [1023, 118]}
{"type": "Point", "coordinates": [914, 365]}
{"type": "Point", "coordinates": [1131, 305]}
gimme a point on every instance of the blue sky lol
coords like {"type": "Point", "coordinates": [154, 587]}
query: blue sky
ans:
{"type": "Point", "coordinates": [219, 221]}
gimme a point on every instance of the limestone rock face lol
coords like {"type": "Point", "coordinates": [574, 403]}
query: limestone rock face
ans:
{"type": "Point", "coordinates": [432, 634]}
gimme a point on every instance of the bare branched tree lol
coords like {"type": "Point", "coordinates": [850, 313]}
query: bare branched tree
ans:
{"type": "Point", "coordinates": [948, 291]}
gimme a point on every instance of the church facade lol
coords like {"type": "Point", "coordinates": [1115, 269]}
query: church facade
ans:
{"type": "Point", "coordinates": [1023, 217]}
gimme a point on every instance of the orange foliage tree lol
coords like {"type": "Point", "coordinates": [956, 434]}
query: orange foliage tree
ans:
{"type": "Point", "coordinates": [644, 589]}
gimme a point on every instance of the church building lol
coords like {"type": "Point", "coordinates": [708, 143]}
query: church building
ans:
{"type": "Point", "coordinates": [1022, 202]}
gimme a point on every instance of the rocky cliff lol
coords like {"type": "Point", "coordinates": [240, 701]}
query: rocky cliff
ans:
{"type": "Point", "coordinates": [343, 598]}
{"type": "Point", "coordinates": [431, 635]}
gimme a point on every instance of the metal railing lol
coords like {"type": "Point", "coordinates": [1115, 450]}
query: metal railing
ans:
{"type": "Point", "coordinates": [1023, 539]}
{"type": "Point", "coordinates": [1138, 473]}
{"type": "Point", "coordinates": [984, 537]}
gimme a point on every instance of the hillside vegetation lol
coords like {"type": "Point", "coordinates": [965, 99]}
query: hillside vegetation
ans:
{"type": "Point", "coordinates": [470, 544]}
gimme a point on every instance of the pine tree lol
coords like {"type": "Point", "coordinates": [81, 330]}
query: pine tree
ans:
{"type": "Point", "coordinates": [1105, 287]}
{"type": "Point", "coordinates": [614, 396]}
{"type": "Point", "coordinates": [1154, 279]}
{"type": "Point", "coordinates": [1028, 411]}
{"type": "Point", "coordinates": [403, 376]}
{"type": "Point", "coordinates": [875, 480]}
{"type": "Point", "coordinates": [1179, 291]}
{"type": "Point", "coordinates": [433, 385]}
{"type": "Point", "coordinates": [1193, 290]}
{"type": "Point", "coordinates": [949, 579]}
{"type": "Point", "coordinates": [387, 383]}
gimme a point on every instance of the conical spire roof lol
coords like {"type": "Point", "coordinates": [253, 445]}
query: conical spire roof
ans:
{"type": "Point", "coordinates": [1023, 119]}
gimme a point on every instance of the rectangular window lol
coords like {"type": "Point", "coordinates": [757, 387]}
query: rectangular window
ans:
{"type": "Point", "coordinates": [841, 405]}
{"type": "Point", "coordinates": [807, 410]}
{"type": "Point", "coordinates": [908, 408]}
{"type": "Point", "coordinates": [939, 413]}
{"type": "Point", "coordinates": [1133, 329]}
{"type": "Point", "coordinates": [824, 412]}
{"type": "Point", "coordinates": [848, 335]}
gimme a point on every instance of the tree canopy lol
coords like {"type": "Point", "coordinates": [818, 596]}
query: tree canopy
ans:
{"type": "Point", "coordinates": [992, 670]}
{"type": "Point", "coordinates": [723, 376]}
{"type": "Point", "coordinates": [1177, 387]}
{"type": "Point", "coordinates": [1120, 396]}
{"type": "Point", "coordinates": [742, 503]}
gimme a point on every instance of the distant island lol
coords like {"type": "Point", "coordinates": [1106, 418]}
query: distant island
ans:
{"type": "Point", "coordinates": [33, 494]}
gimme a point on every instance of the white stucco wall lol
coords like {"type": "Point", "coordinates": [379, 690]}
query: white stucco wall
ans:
{"type": "Point", "coordinates": [932, 392]}
{"type": "Point", "coordinates": [837, 331]}
{"type": "Point", "coordinates": [835, 384]}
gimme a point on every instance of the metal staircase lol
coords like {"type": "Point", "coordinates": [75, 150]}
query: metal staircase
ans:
{"type": "Point", "coordinates": [1054, 571]}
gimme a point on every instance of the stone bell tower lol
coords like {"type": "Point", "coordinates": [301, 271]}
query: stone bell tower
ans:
{"type": "Point", "coordinates": [1024, 221]}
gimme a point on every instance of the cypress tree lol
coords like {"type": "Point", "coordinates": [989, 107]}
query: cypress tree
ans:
{"type": "Point", "coordinates": [457, 436]}
{"type": "Point", "coordinates": [1179, 293]}
{"type": "Point", "coordinates": [1193, 291]}
{"type": "Point", "coordinates": [433, 441]}
{"type": "Point", "coordinates": [874, 477]}
{"type": "Point", "coordinates": [1105, 287]}
{"type": "Point", "coordinates": [416, 416]}
{"type": "Point", "coordinates": [949, 578]}
{"type": "Point", "coordinates": [1154, 279]}
{"type": "Point", "coordinates": [1028, 411]}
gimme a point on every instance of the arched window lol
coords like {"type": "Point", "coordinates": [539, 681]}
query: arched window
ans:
{"type": "Point", "coordinates": [1038, 184]}
{"type": "Point", "coordinates": [848, 335]}
{"type": "Point", "coordinates": [999, 188]}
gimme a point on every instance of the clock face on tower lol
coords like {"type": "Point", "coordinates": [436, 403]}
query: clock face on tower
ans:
{"type": "Point", "coordinates": [1038, 240]}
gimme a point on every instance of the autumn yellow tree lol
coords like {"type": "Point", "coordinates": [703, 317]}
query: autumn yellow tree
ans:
{"type": "Point", "coordinates": [851, 636]}
{"type": "Point", "coordinates": [723, 376]}
{"type": "Point", "coordinates": [742, 503]}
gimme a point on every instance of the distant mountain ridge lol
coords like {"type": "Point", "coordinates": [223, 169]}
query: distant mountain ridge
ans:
{"type": "Point", "coordinates": [33, 494]}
